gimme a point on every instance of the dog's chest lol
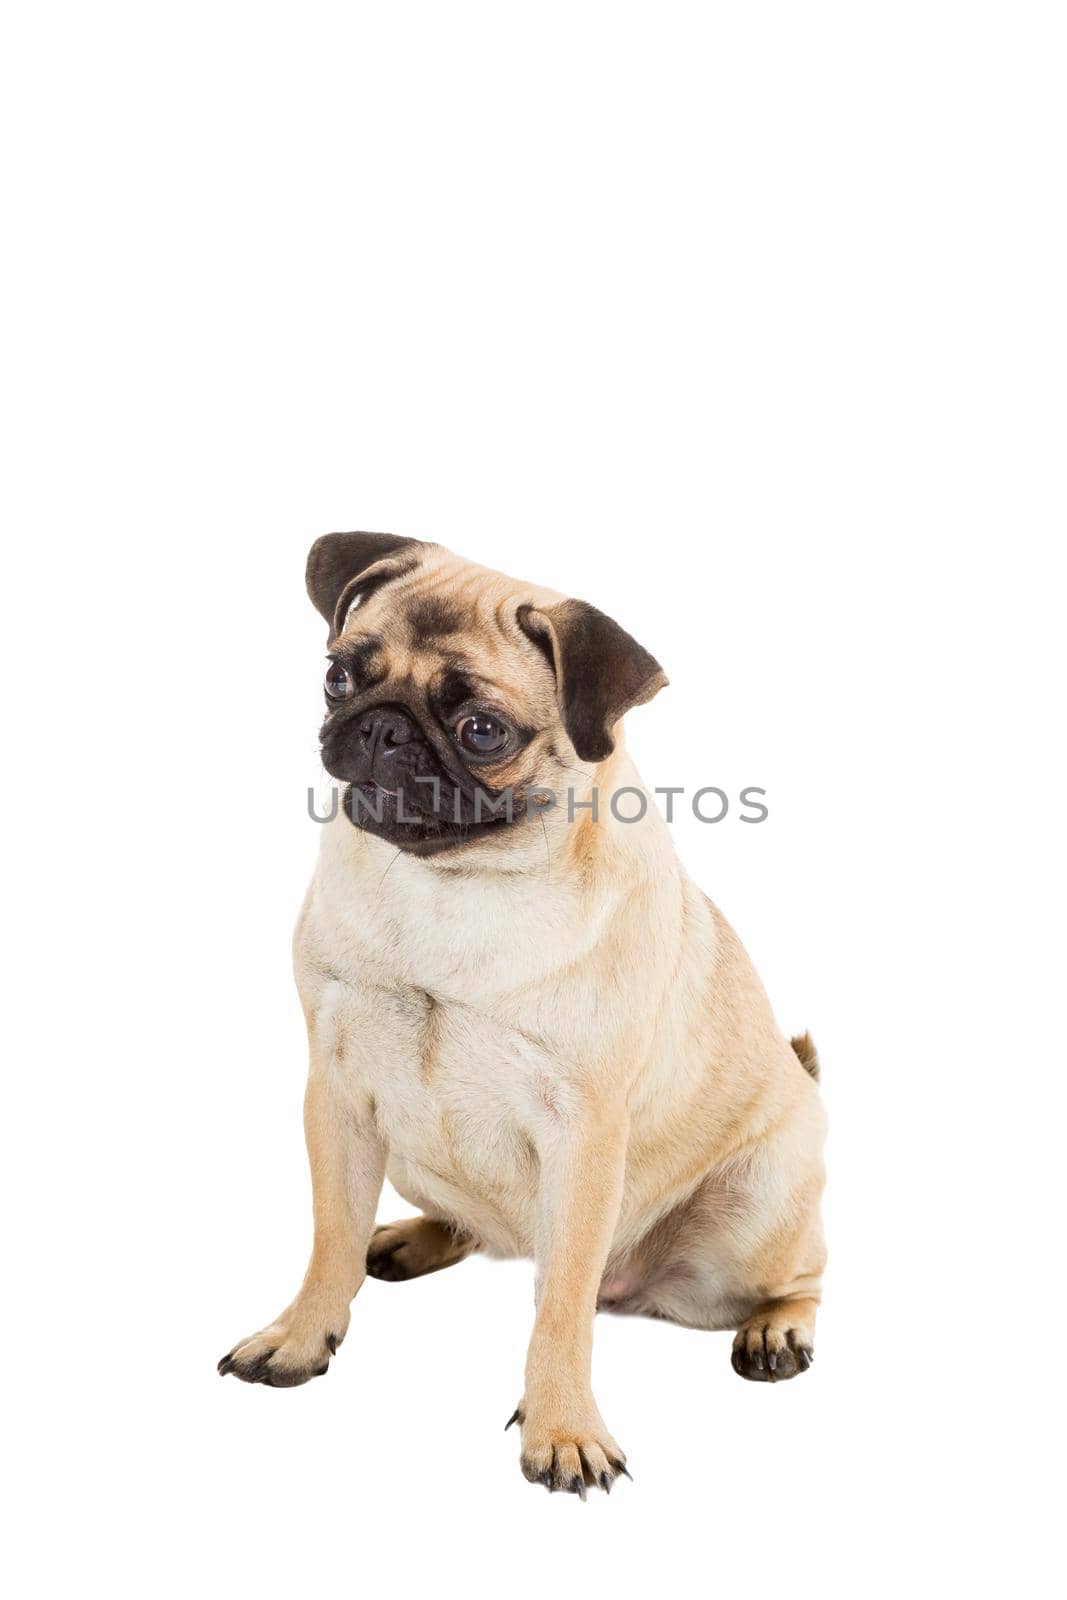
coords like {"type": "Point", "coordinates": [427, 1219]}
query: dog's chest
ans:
{"type": "Point", "coordinates": [465, 1102]}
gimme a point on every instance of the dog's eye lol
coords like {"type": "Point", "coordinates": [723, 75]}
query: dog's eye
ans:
{"type": "Point", "coordinates": [339, 684]}
{"type": "Point", "coordinates": [482, 735]}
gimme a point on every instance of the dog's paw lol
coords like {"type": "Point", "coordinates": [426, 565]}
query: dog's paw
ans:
{"type": "Point", "coordinates": [286, 1354]}
{"type": "Point", "coordinates": [413, 1247]}
{"type": "Point", "coordinates": [570, 1456]}
{"type": "Point", "coordinates": [768, 1350]}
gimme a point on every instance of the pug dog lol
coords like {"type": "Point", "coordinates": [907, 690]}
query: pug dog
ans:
{"type": "Point", "coordinates": [523, 1012]}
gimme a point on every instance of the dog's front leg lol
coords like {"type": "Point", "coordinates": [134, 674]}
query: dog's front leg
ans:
{"type": "Point", "coordinates": [347, 1168]}
{"type": "Point", "coordinates": [565, 1444]}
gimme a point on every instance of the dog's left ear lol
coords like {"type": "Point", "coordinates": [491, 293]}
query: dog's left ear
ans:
{"type": "Point", "coordinates": [337, 558]}
{"type": "Point", "coordinates": [601, 672]}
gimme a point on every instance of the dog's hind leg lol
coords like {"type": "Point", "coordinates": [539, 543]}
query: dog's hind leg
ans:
{"type": "Point", "coordinates": [777, 1341]}
{"type": "Point", "coordinates": [745, 1251]}
{"type": "Point", "coordinates": [414, 1246]}
{"type": "Point", "coordinates": [776, 1338]}
{"type": "Point", "coordinates": [771, 1300]}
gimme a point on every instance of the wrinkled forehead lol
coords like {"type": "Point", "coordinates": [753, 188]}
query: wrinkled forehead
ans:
{"type": "Point", "coordinates": [449, 630]}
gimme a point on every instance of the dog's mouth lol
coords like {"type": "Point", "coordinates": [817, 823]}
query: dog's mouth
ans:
{"type": "Point", "coordinates": [424, 818]}
{"type": "Point", "coordinates": [404, 782]}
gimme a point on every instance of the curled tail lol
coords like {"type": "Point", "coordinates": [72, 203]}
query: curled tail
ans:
{"type": "Point", "coordinates": [806, 1054]}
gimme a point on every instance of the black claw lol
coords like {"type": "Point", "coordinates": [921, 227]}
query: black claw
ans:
{"type": "Point", "coordinates": [772, 1359]}
{"type": "Point", "coordinates": [605, 1482]}
{"type": "Point", "coordinates": [620, 1466]}
{"type": "Point", "coordinates": [546, 1478]}
{"type": "Point", "coordinates": [577, 1486]}
{"type": "Point", "coordinates": [804, 1358]}
{"type": "Point", "coordinates": [331, 1343]}
{"type": "Point", "coordinates": [737, 1360]}
{"type": "Point", "coordinates": [513, 1418]}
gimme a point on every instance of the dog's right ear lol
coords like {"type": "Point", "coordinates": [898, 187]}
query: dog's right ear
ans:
{"type": "Point", "coordinates": [336, 559]}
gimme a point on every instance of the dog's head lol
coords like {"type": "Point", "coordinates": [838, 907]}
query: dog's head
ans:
{"type": "Point", "coordinates": [455, 694]}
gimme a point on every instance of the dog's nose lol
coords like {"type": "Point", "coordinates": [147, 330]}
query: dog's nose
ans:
{"type": "Point", "coordinates": [385, 726]}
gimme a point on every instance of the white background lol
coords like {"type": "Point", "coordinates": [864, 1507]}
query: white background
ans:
{"type": "Point", "coordinates": [745, 322]}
